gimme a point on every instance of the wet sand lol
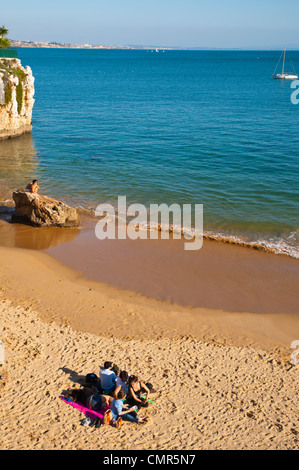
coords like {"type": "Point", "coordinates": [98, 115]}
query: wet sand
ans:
{"type": "Point", "coordinates": [218, 276]}
{"type": "Point", "coordinates": [235, 294]}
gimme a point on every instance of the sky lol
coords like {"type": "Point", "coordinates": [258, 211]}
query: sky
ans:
{"type": "Point", "coordinates": [251, 24]}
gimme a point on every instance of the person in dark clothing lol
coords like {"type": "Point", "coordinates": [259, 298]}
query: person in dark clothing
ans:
{"type": "Point", "coordinates": [136, 389]}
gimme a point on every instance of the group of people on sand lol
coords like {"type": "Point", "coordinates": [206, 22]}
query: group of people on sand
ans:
{"type": "Point", "coordinates": [121, 392]}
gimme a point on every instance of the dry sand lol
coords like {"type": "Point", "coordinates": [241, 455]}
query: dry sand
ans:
{"type": "Point", "coordinates": [208, 396]}
{"type": "Point", "coordinates": [223, 380]}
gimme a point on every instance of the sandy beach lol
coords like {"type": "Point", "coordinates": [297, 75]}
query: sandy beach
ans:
{"type": "Point", "coordinates": [223, 379]}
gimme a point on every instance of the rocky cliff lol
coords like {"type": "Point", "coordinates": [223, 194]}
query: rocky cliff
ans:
{"type": "Point", "coordinates": [16, 98]}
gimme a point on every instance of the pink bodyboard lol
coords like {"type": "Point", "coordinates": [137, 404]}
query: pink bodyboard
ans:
{"type": "Point", "coordinates": [90, 413]}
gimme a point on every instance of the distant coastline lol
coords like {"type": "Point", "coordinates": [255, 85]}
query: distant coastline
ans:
{"type": "Point", "coordinates": [61, 45]}
{"type": "Point", "coordinates": [58, 45]}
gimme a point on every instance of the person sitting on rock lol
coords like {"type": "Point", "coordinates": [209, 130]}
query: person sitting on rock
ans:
{"type": "Point", "coordinates": [32, 187]}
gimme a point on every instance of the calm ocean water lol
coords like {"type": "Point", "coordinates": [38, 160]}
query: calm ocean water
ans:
{"type": "Point", "coordinates": [198, 127]}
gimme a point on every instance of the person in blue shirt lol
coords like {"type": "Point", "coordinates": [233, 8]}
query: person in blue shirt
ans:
{"type": "Point", "coordinates": [123, 412]}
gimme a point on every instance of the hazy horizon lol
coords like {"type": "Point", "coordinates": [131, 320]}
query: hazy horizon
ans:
{"type": "Point", "coordinates": [159, 46]}
{"type": "Point", "coordinates": [252, 25]}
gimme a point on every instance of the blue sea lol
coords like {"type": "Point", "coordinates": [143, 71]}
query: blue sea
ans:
{"type": "Point", "coordinates": [185, 127]}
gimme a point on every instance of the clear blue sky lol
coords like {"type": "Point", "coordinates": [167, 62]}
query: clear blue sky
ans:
{"type": "Point", "coordinates": [182, 23]}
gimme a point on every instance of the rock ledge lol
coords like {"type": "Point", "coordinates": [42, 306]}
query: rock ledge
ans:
{"type": "Point", "coordinates": [43, 211]}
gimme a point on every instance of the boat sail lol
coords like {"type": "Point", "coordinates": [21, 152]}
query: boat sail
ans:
{"type": "Point", "coordinates": [283, 75]}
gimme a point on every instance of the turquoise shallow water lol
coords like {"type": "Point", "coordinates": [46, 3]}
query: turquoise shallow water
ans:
{"type": "Point", "coordinates": [199, 127]}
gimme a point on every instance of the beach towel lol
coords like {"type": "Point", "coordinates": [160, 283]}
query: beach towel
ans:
{"type": "Point", "coordinates": [150, 401]}
{"type": "Point", "coordinates": [89, 413]}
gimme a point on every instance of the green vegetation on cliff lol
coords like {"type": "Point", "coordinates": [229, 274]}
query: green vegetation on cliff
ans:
{"type": "Point", "coordinates": [9, 68]}
{"type": "Point", "coordinates": [8, 93]}
{"type": "Point", "coordinates": [19, 90]}
{"type": "Point", "coordinates": [4, 42]}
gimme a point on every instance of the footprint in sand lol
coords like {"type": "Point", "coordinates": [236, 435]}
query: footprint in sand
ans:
{"type": "Point", "coordinates": [3, 379]}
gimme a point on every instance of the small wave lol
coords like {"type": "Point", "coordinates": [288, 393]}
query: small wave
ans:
{"type": "Point", "coordinates": [286, 246]}
{"type": "Point", "coordinates": [7, 201]}
{"type": "Point", "coordinates": [280, 247]}
{"type": "Point", "coordinates": [86, 211]}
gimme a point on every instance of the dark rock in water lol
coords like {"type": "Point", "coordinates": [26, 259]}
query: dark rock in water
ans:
{"type": "Point", "coordinates": [43, 211]}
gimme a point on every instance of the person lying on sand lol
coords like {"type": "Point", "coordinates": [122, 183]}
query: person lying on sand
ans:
{"type": "Point", "coordinates": [32, 187]}
{"type": "Point", "coordinates": [92, 401]}
{"type": "Point", "coordinates": [136, 388]}
{"type": "Point", "coordinates": [119, 411]}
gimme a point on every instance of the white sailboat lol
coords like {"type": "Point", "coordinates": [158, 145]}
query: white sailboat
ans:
{"type": "Point", "coordinates": [283, 75]}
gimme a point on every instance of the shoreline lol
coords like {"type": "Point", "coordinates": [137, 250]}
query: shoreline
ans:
{"type": "Point", "coordinates": [87, 215]}
{"type": "Point", "coordinates": [222, 291]}
{"type": "Point", "coordinates": [257, 281]}
{"type": "Point", "coordinates": [66, 295]}
{"type": "Point", "coordinates": [219, 276]}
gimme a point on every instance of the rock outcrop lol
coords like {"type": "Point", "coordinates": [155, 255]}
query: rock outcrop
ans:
{"type": "Point", "coordinates": [43, 211]}
{"type": "Point", "coordinates": [16, 98]}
